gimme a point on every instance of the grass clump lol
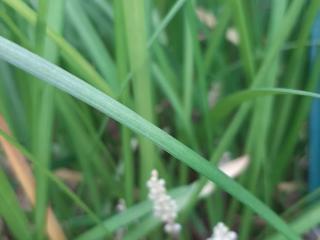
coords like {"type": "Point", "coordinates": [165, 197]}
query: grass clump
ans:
{"type": "Point", "coordinates": [97, 94]}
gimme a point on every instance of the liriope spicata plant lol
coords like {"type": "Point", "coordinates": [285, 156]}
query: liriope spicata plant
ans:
{"type": "Point", "coordinates": [65, 81]}
{"type": "Point", "coordinates": [195, 78]}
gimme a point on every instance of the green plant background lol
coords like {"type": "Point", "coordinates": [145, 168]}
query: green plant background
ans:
{"type": "Point", "coordinates": [81, 80]}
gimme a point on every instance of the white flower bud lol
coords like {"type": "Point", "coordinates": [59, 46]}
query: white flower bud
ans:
{"type": "Point", "coordinates": [164, 207]}
{"type": "Point", "coordinates": [222, 232]}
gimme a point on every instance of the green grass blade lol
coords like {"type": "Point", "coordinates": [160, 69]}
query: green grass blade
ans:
{"type": "Point", "coordinates": [15, 109]}
{"type": "Point", "coordinates": [261, 119]}
{"type": "Point", "coordinates": [295, 73]}
{"type": "Point", "coordinates": [11, 211]}
{"type": "Point", "coordinates": [188, 67]}
{"type": "Point", "coordinates": [122, 69]}
{"type": "Point", "coordinates": [169, 16]}
{"type": "Point", "coordinates": [245, 41]}
{"type": "Point", "coordinates": [85, 70]}
{"type": "Point", "coordinates": [201, 78]}
{"type": "Point", "coordinates": [302, 224]}
{"type": "Point", "coordinates": [145, 227]}
{"type": "Point", "coordinates": [41, 25]}
{"type": "Point", "coordinates": [173, 11]}
{"type": "Point", "coordinates": [78, 139]}
{"type": "Point", "coordinates": [65, 81]}
{"type": "Point", "coordinates": [41, 125]}
{"type": "Point", "coordinates": [228, 104]}
{"type": "Point", "coordinates": [134, 15]}
{"type": "Point", "coordinates": [176, 104]}
{"type": "Point", "coordinates": [42, 144]}
{"type": "Point", "coordinates": [98, 52]}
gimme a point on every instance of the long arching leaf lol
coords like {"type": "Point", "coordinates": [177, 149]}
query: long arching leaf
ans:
{"type": "Point", "coordinates": [76, 87]}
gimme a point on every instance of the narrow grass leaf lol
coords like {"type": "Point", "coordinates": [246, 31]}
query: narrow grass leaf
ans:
{"type": "Point", "coordinates": [11, 211]}
{"type": "Point", "coordinates": [67, 82]}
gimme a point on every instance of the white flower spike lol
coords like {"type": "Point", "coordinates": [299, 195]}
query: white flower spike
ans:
{"type": "Point", "coordinates": [222, 232]}
{"type": "Point", "coordinates": [164, 206]}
